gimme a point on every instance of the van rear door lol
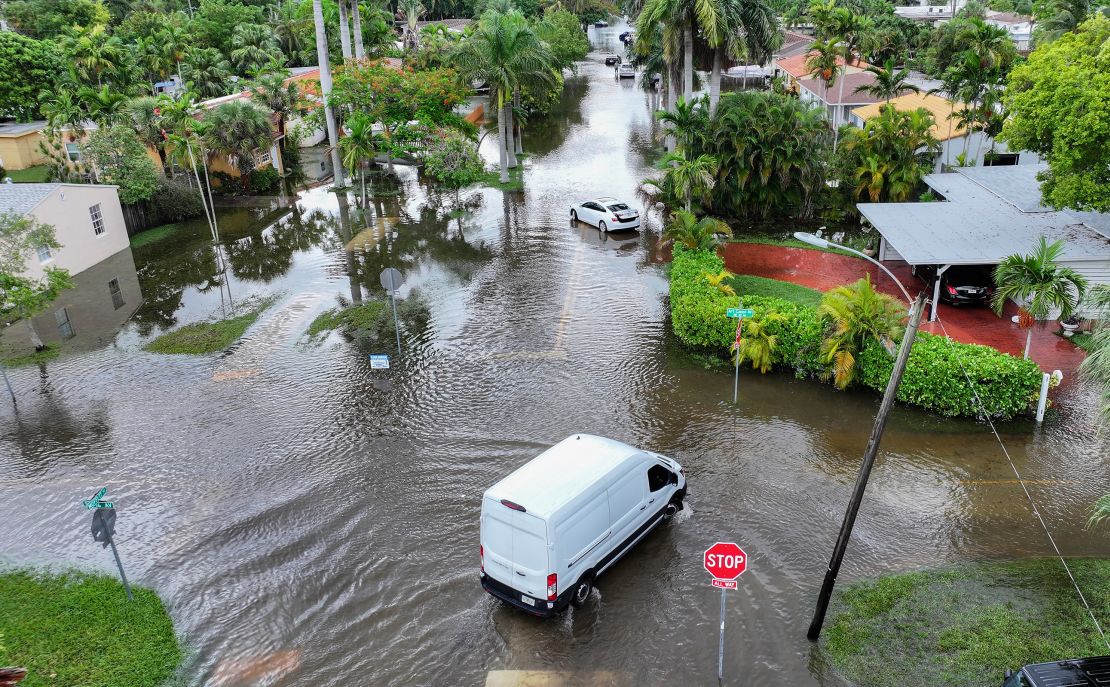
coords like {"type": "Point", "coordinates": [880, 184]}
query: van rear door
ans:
{"type": "Point", "coordinates": [514, 544]}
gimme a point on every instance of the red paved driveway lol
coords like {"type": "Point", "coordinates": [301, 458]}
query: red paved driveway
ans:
{"type": "Point", "coordinates": [823, 271]}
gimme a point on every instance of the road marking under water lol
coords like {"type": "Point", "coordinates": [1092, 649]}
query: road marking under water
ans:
{"type": "Point", "coordinates": [1014, 481]}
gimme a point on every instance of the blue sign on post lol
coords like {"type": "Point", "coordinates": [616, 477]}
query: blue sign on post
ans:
{"type": "Point", "coordinates": [379, 362]}
{"type": "Point", "coordinates": [740, 312]}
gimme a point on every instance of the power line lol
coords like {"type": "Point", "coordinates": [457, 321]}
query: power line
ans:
{"type": "Point", "coordinates": [1021, 481]}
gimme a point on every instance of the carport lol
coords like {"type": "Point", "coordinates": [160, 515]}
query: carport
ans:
{"type": "Point", "coordinates": [988, 214]}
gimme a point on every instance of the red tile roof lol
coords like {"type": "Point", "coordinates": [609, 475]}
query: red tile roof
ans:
{"type": "Point", "coordinates": [796, 66]}
{"type": "Point", "coordinates": [850, 83]}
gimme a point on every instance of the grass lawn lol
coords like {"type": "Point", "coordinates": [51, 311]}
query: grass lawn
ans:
{"type": "Point", "coordinates": [145, 238]}
{"type": "Point", "coordinates": [37, 174]}
{"type": "Point", "coordinates": [965, 626]}
{"type": "Point", "coordinates": [47, 354]}
{"type": "Point", "coordinates": [493, 178]}
{"type": "Point", "coordinates": [748, 285]}
{"type": "Point", "coordinates": [77, 628]}
{"type": "Point", "coordinates": [206, 337]}
{"type": "Point", "coordinates": [789, 242]}
{"type": "Point", "coordinates": [368, 316]}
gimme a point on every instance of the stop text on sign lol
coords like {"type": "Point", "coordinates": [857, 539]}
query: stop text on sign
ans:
{"type": "Point", "coordinates": [725, 561]}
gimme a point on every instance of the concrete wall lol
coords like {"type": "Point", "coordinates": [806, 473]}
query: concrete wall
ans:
{"type": "Point", "coordinates": [21, 152]}
{"type": "Point", "coordinates": [67, 209]}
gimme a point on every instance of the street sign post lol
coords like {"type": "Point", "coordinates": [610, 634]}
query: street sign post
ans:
{"type": "Point", "coordinates": [104, 529]}
{"type": "Point", "coordinates": [725, 561]}
{"type": "Point", "coordinates": [391, 279]}
{"type": "Point", "coordinates": [739, 314]}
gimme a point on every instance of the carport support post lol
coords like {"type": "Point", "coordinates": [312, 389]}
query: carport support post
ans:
{"type": "Point", "coordinates": [936, 293]}
{"type": "Point", "coordinates": [865, 469]}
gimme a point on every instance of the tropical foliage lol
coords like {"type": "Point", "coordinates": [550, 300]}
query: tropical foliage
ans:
{"type": "Point", "coordinates": [853, 315]}
{"type": "Point", "coordinates": [24, 296]}
{"type": "Point", "coordinates": [684, 228]}
{"type": "Point", "coordinates": [237, 131]}
{"type": "Point", "coordinates": [118, 158]}
{"type": "Point", "coordinates": [1060, 111]}
{"type": "Point", "coordinates": [1096, 366]}
{"type": "Point", "coordinates": [889, 157]}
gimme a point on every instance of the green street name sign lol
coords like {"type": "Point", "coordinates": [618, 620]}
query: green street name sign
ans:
{"type": "Point", "coordinates": [96, 502]}
{"type": "Point", "coordinates": [740, 312]}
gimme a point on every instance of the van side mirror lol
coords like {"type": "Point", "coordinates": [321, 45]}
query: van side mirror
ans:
{"type": "Point", "coordinates": [674, 479]}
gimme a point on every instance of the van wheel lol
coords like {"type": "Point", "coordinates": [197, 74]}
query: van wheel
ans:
{"type": "Point", "coordinates": [582, 591]}
{"type": "Point", "coordinates": [671, 510]}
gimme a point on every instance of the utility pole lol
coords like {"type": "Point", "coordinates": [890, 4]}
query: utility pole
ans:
{"type": "Point", "coordinates": [4, 373]}
{"type": "Point", "coordinates": [865, 469]}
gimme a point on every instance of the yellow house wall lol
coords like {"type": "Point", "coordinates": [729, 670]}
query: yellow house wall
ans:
{"type": "Point", "coordinates": [21, 152]}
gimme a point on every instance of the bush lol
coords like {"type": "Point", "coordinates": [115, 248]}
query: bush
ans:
{"type": "Point", "coordinates": [264, 180]}
{"type": "Point", "coordinates": [933, 377]}
{"type": "Point", "coordinates": [174, 201]}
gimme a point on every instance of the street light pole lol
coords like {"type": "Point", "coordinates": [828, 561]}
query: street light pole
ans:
{"type": "Point", "coordinates": [865, 469]}
{"type": "Point", "coordinates": [814, 240]}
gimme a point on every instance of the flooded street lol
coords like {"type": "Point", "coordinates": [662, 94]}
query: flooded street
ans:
{"type": "Point", "coordinates": [311, 521]}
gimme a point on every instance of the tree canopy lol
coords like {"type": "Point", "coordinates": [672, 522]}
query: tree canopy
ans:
{"type": "Point", "coordinates": [1060, 110]}
{"type": "Point", "coordinates": [28, 67]}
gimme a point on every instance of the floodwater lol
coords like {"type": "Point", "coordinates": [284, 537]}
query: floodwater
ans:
{"type": "Point", "coordinates": [312, 521]}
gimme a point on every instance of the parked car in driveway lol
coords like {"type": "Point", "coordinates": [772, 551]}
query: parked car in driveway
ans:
{"type": "Point", "coordinates": [611, 60]}
{"type": "Point", "coordinates": [961, 284]}
{"type": "Point", "coordinates": [552, 527]}
{"type": "Point", "coordinates": [607, 214]}
{"type": "Point", "coordinates": [1075, 672]}
{"type": "Point", "coordinates": [626, 71]}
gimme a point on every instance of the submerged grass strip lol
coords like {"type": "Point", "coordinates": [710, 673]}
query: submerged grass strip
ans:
{"type": "Point", "coordinates": [967, 625]}
{"type": "Point", "coordinates": [366, 316]}
{"type": "Point", "coordinates": [45, 355]}
{"type": "Point", "coordinates": [199, 338]}
{"type": "Point", "coordinates": [77, 628]}
{"type": "Point", "coordinates": [145, 238]}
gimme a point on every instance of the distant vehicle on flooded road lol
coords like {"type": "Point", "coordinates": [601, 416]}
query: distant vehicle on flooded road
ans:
{"type": "Point", "coordinates": [554, 525]}
{"type": "Point", "coordinates": [607, 214]}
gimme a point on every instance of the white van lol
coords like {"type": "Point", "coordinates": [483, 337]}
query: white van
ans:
{"type": "Point", "coordinates": [553, 526]}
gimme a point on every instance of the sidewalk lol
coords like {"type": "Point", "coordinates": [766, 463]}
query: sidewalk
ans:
{"type": "Point", "coordinates": [822, 271]}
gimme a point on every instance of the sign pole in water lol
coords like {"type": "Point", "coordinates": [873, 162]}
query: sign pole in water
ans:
{"type": "Point", "coordinates": [6, 382]}
{"type": "Point", "coordinates": [104, 529]}
{"type": "Point", "coordinates": [725, 561]}
{"type": "Point", "coordinates": [739, 313]}
{"type": "Point", "coordinates": [391, 279]}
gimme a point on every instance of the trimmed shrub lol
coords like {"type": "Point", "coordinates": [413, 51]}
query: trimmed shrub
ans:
{"type": "Point", "coordinates": [174, 201]}
{"type": "Point", "coordinates": [933, 379]}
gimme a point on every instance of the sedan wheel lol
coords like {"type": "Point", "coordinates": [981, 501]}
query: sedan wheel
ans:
{"type": "Point", "coordinates": [601, 225]}
{"type": "Point", "coordinates": [574, 215]}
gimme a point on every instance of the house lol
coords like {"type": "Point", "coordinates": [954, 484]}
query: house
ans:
{"type": "Point", "coordinates": [793, 44]}
{"type": "Point", "coordinates": [1019, 27]}
{"type": "Point", "coordinates": [988, 214]}
{"type": "Point", "coordinates": [842, 97]}
{"type": "Point", "coordinates": [793, 68]}
{"type": "Point", "coordinates": [954, 139]}
{"type": "Point", "coordinates": [929, 14]}
{"type": "Point", "coordinates": [19, 145]}
{"type": "Point", "coordinates": [88, 222]}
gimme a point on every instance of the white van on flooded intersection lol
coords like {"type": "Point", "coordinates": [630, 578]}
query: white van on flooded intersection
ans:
{"type": "Point", "coordinates": [558, 522]}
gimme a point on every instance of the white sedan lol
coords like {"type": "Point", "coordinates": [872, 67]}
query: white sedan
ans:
{"type": "Point", "coordinates": [606, 214]}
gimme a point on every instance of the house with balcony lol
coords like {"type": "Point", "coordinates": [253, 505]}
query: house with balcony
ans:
{"type": "Point", "coordinates": [1019, 27]}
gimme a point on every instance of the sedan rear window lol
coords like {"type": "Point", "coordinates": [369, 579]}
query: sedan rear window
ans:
{"type": "Point", "coordinates": [618, 207]}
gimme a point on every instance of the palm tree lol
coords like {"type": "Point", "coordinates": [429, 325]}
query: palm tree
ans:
{"type": "Point", "coordinates": [892, 153]}
{"type": "Point", "coordinates": [824, 62]}
{"type": "Point", "coordinates": [93, 52]}
{"type": "Point", "coordinates": [410, 11]}
{"type": "Point", "coordinates": [360, 45]}
{"type": "Point", "coordinates": [272, 93]}
{"type": "Point", "coordinates": [757, 344]}
{"type": "Point", "coordinates": [853, 315]}
{"type": "Point", "coordinates": [253, 47]}
{"type": "Point", "coordinates": [506, 54]}
{"type": "Point", "coordinates": [344, 31]}
{"type": "Point", "coordinates": [174, 40]}
{"type": "Point", "coordinates": [689, 177]}
{"type": "Point", "coordinates": [238, 130]}
{"type": "Point", "coordinates": [358, 146]}
{"type": "Point", "coordinates": [62, 110]}
{"type": "Point", "coordinates": [682, 20]}
{"type": "Point", "coordinates": [750, 29]}
{"type": "Point", "coordinates": [325, 89]}
{"type": "Point", "coordinates": [1039, 285]}
{"type": "Point", "coordinates": [1096, 366]}
{"type": "Point", "coordinates": [206, 72]}
{"type": "Point", "coordinates": [103, 106]}
{"type": "Point", "coordinates": [686, 229]}
{"type": "Point", "coordinates": [289, 27]}
{"type": "Point", "coordinates": [144, 116]}
{"type": "Point", "coordinates": [888, 83]}
{"type": "Point", "coordinates": [685, 123]}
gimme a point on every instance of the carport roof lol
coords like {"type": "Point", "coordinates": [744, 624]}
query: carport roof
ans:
{"type": "Point", "coordinates": [989, 213]}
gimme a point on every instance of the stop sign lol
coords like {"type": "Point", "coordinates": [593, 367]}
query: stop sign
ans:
{"type": "Point", "coordinates": [725, 561]}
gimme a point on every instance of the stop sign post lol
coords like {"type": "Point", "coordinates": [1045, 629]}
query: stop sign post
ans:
{"type": "Point", "coordinates": [724, 561]}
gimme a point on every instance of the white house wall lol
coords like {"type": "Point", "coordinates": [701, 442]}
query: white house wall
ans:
{"type": "Point", "coordinates": [67, 210]}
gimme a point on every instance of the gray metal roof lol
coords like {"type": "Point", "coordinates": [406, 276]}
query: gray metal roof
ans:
{"type": "Point", "coordinates": [20, 128]}
{"type": "Point", "coordinates": [22, 198]}
{"type": "Point", "coordinates": [989, 213]}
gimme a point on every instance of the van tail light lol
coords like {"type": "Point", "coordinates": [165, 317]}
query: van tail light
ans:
{"type": "Point", "coordinates": [552, 586]}
{"type": "Point", "coordinates": [951, 289]}
{"type": "Point", "coordinates": [482, 557]}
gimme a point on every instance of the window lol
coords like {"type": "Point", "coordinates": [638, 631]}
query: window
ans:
{"type": "Point", "coordinates": [659, 477]}
{"type": "Point", "coordinates": [97, 219]}
{"type": "Point", "coordinates": [73, 152]}
{"type": "Point", "coordinates": [117, 294]}
{"type": "Point", "coordinates": [44, 254]}
{"type": "Point", "coordinates": [65, 329]}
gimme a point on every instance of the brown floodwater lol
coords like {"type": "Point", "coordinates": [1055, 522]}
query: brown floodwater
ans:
{"type": "Point", "coordinates": [309, 520]}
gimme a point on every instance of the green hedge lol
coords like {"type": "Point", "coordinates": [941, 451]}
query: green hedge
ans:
{"type": "Point", "coordinates": [933, 377]}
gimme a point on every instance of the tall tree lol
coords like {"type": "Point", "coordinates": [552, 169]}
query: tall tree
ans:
{"type": "Point", "coordinates": [344, 31]}
{"type": "Point", "coordinates": [360, 45]}
{"type": "Point", "coordinates": [273, 94]}
{"type": "Point", "coordinates": [749, 29]}
{"type": "Point", "coordinates": [206, 72]}
{"type": "Point", "coordinates": [238, 130]}
{"type": "Point", "coordinates": [889, 82]}
{"type": "Point", "coordinates": [28, 67]}
{"type": "Point", "coordinates": [325, 88]}
{"type": "Point", "coordinates": [1039, 285]}
{"type": "Point", "coordinates": [889, 157]}
{"type": "Point", "coordinates": [1060, 111]}
{"type": "Point", "coordinates": [254, 47]}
